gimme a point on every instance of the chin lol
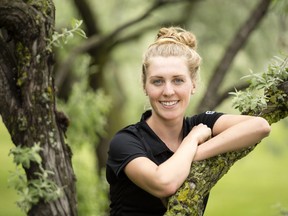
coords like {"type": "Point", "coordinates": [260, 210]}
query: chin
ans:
{"type": "Point", "coordinates": [172, 115]}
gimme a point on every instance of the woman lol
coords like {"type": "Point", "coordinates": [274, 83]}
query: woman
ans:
{"type": "Point", "coordinates": [148, 161]}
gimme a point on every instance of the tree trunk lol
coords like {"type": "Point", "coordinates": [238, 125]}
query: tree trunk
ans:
{"type": "Point", "coordinates": [27, 97]}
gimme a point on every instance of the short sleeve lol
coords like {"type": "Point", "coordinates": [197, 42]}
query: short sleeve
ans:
{"type": "Point", "coordinates": [208, 118]}
{"type": "Point", "coordinates": [123, 148]}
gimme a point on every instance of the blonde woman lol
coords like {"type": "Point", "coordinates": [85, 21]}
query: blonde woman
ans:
{"type": "Point", "coordinates": [149, 160]}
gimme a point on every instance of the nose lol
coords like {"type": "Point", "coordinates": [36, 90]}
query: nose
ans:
{"type": "Point", "coordinates": [168, 89]}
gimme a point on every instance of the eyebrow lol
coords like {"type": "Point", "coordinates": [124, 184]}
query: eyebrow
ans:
{"type": "Point", "coordinates": [175, 76]}
{"type": "Point", "coordinates": [153, 77]}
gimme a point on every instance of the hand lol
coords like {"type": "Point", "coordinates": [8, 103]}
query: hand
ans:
{"type": "Point", "coordinates": [201, 133]}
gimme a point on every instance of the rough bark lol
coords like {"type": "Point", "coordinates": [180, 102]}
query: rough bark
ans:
{"type": "Point", "coordinates": [188, 201]}
{"type": "Point", "coordinates": [27, 96]}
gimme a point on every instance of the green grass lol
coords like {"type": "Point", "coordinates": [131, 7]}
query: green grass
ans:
{"type": "Point", "coordinates": [254, 186]}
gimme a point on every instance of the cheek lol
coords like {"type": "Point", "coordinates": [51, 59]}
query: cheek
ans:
{"type": "Point", "coordinates": [152, 94]}
{"type": "Point", "coordinates": [187, 89]}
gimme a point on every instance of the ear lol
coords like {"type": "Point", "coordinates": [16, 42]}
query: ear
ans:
{"type": "Point", "coordinates": [193, 88]}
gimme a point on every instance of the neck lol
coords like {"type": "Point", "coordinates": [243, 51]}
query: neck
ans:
{"type": "Point", "coordinates": [170, 132]}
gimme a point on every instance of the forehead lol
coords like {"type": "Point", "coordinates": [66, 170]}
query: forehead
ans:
{"type": "Point", "coordinates": [162, 66]}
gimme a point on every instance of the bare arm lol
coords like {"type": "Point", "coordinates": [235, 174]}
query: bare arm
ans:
{"type": "Point", "coordinates": [233, 132]}
{"type": "Point", "coordinates": [165, 179]}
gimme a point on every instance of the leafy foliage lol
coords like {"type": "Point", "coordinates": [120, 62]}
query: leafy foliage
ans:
{"type": "Point", "coordinates": [32, 191]}
{"type": "Point", "coordinates": [86, 109]}
{"type": "Point", "coordinates": [23, 156]}
{"type": "Point", "coordinates": [58, 39]}
{"type": "Point", "coordinates": [253, 98]}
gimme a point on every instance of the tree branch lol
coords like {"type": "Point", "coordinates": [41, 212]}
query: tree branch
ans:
{"type": "Point", "coordinates": [88, 17]}
{"type": "Point", "coordinates": [189, 199]}
{"type": "Point", "coordinates": [236, 44]}
{"type": "Point", "coordinates": [224, 95]}
{"type": "Point", "coordinates": [99, 42]}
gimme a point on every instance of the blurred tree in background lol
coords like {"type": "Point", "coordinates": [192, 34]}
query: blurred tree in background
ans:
{"type": "Point", "coordinates": [98, 78]}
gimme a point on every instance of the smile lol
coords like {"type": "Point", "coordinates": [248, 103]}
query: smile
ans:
{"type": "Point", "coordinates": [169, 103]}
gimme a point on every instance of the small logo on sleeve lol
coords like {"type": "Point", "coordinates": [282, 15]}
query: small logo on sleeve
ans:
{"type": "Point", "coordinates": [209, 112]}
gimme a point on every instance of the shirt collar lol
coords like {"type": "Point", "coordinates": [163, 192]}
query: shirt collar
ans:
{"type": "Point", "coordinates": [156, 144]}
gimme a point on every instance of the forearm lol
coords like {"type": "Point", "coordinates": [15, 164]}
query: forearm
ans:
{"type": "Point", "coordinates": [165, 179]}
{"type": "Point", "coordinates": [173, 172]}
{"type": "Point", "coordinates": [239, 136]}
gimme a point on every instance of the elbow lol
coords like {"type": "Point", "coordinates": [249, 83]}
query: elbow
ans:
{"type": "Point", "coordinates": [171, 189]}
{"type": "Point", "coordinates": [263, 126]}
{"type": "Point", "coordinates": [167, 189]}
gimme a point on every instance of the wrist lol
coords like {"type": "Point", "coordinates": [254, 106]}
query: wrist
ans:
{"type": "Point", "coordinates": [190, 144]}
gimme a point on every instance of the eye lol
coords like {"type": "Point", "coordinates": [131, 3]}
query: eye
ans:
{"type": "Point", "coordinates": [178, 81]}
{"type": "Point", "coordinates": [157, 82]}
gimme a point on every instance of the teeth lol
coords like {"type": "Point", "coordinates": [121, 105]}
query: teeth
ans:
{"type": "Point", "coordinates": [169, 103]}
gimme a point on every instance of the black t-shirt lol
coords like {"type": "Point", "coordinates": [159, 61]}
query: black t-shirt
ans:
{"type": "Point", "coordinates": [139, 140]}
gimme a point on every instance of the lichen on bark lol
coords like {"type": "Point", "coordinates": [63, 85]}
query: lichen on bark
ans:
{"type": "Point", "coordinates": [189, 199]}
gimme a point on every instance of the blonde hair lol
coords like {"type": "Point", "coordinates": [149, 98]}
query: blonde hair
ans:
{"type": "Point", "coordinates": [174, 41]}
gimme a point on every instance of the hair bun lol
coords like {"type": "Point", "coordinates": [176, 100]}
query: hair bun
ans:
{"type": "Point", "coordinates": [178, 35]}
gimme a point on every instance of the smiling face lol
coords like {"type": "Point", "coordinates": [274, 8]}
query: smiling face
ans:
{"type": "Point", "coordinates": [168, 86]}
